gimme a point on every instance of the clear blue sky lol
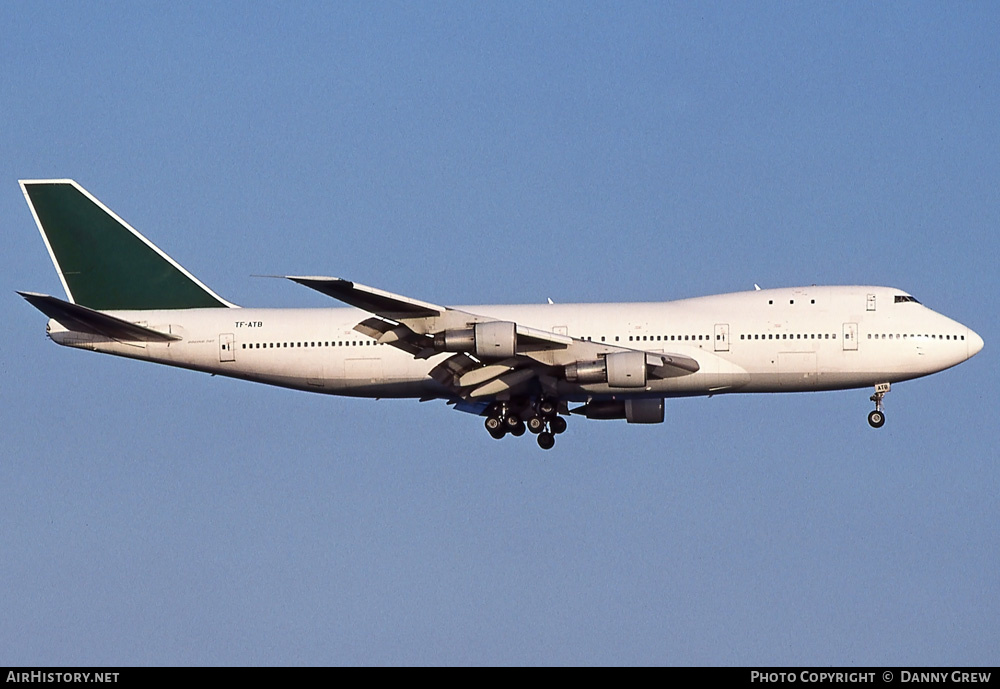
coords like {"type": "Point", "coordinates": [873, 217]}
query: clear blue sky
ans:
{"type": "Point", "coordinates": [503, 152]}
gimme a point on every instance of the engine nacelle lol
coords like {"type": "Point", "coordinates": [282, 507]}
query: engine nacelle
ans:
{"type": "Point", "coordinates": [587, 372]}
{"type": "Point", "coordinates": [644, 411]}
{"type": "Point", "coordinates": [626, 369]}
{"type": "Point", "coordinates": [602, 409]}
{"type": "Point", "coordinates": [491, 340]}
{"type": "Point", "coordinates": [619, 370]}
{"type": "Point", "coordinates": [633, 411]}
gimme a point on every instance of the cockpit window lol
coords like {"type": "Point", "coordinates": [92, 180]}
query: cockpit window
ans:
{"type": "Point", "coordinates": [900, 298]}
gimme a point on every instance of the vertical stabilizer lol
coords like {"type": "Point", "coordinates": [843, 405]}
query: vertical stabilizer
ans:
{"type": "Point", "coordinates": [103, 262]}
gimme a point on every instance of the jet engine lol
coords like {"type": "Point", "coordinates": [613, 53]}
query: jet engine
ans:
{"type": "Point", "coordinates": [490, 340]}
{"type": "Point", "coordinates": [619, 370]}
{"type": "Point", "coordinates": [633, 411]}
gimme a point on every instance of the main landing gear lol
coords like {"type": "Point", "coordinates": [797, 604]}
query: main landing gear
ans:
{"type": "Point", "coordinates": [541, 418]}
{"type": "Point", "coordinates": [876, 419]}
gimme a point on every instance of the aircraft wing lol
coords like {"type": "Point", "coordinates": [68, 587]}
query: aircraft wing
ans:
{"type": "Point", "coordinates": [370, 299]}
{"type": "Point", "coordinates": [490, 356]}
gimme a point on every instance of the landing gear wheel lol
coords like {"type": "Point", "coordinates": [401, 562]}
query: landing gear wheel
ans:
{"type": "Point", "coordinates": [546, 440]}
{"type": "Point", "coordinates": [558, 425]}
{"type": "Point", "coordinates": [546, 407]}
{"type": "Point", "coordinates": [518, 430]}
{"type": "Point", "coordinates": [877, 418]}
{"type": "Point", "coordinates": [512, 421]}
{"type": "Point", "coordinates": [535, 424]}
{"type": "Point", "coordinates": [495, 427]}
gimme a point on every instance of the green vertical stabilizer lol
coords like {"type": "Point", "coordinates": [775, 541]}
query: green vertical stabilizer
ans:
{"type": "Point", "coordinates": [104, 263]}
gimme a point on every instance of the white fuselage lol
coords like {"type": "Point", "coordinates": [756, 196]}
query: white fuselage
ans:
{"type": "Point", "coordinates": [776, 340]}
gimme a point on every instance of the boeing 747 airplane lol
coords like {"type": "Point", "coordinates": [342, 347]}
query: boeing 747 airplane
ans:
{"type": "Point", "coordinates": [521, 367]}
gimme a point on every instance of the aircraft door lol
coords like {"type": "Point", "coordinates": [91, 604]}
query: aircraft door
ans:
{"type": "Point", "coordinates": [850, 337]}
{"type": "Point", "coordinates": [722, 337]}
{"type": "Point", "coordinates": [227, 350]}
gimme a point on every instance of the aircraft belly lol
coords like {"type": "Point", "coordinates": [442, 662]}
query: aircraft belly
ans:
{"type": "Point", "coordinates": [362, 371]}
{"type": "Point", "coordinates": [797, 371]}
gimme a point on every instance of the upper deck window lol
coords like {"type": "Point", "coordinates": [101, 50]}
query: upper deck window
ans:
{"type": "Point", "coordinates": [900, 298]}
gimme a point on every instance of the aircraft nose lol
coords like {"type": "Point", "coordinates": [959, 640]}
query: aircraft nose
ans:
{"type": "Point", "coordinates": [975, 343]}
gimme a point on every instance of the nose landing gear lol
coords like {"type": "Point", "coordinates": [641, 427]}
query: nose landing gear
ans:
{"type": "Point", "coordinates": [876, 419]}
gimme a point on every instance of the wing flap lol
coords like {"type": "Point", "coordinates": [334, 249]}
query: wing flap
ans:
{"type": "Point", "coordinates": [451, 369]}
{"type": "Point", "coordinates": [486, 373]}
{"type": "Point", "coordinates": [395, 335]}
{"type": "Point", "coordinates": [504, 383]}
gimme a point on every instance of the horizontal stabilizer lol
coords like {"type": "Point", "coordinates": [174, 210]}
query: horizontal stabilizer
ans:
{"type": "Point", "coordinates": [81, 319]}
